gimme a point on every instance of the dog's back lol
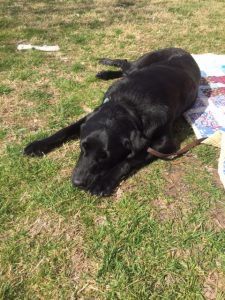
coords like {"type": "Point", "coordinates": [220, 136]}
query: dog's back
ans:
{"type": "Point", "coordinates": [175, 57]}
{"type": "Point", "coordinates": [168, 77]}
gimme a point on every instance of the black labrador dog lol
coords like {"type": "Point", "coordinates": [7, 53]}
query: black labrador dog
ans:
{"type": "Point", "coordinates": [137, 112]}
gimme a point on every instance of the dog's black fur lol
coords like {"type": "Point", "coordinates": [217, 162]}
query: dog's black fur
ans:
{"type": "Point", "coordinates": [138, 111]}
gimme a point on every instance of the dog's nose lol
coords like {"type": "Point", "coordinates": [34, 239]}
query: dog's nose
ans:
{"type": "Point", "coordinates": [77, 182]}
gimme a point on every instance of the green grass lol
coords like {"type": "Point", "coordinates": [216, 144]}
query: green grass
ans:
{"type": "Point", "coordinates": [162, 234]}
{"type": "Point", "coordinates": [5, 90]}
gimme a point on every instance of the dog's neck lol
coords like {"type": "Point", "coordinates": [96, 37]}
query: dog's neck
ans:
{"type": "Point", "coordinates": [123, 112]}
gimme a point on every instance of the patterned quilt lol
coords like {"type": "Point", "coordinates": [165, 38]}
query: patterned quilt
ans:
{"type": "Point", "coordinates": [207, 116]}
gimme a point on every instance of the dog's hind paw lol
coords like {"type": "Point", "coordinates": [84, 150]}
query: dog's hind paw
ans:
{"type": "Point", "coordinates": [36, 148]}
{"type": "Point", "coordinates": [105, 61]}
{"type": "Point", "coordinates": [104, 75]}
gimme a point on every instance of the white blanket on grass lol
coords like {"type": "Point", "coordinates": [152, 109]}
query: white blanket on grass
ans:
{"type": "Point", "coordinates": [207, 116]}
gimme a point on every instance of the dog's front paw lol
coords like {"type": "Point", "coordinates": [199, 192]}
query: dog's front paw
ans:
{"type": "Point", "coordinates": [36, 148]}
{"type": "Point", "coordinates": [102, 187]}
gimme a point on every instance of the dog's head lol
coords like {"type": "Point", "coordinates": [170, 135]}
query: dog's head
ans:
{"type": "Point", "coordinates": [105, 141]}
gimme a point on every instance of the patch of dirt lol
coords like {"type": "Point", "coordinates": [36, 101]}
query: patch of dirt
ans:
{"type": "Point", "coordinates": [186, 253]}
{"type": "Point", "coordinates": [124, 187]}
{"type": "Point", "coordinates": [49, 224]}
{"type": "Point", "coordinates": [215, 176]}
{"type": "Point", "coordinates": [165, 211]}
{"type": "Point", "coordinates": [100, 221]}
{"type": "Point", "coordinates": [214, 286]}
{"type": "Point", "coordinates": [175, 187]}
{"type": "Point", "coordinates": [176, 202]}
{"type": "Point", "coordinates": [86, 108]}
{"type": "Point", "coordinates": [216, 216]}
{"type": "Point", "coordinates": [52, 226]}
{"type": "Point", "coordinates": [15, 121]}
{"type": "Point", "coordinates": [81, 266]}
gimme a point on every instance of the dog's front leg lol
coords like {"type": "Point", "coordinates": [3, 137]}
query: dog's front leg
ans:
{"type": "Point", "coordinates": [41, 147]}
{"type": "Point", "coordinates": [107, 75]}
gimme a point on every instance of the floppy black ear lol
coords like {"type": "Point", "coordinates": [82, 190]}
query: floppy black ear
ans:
{"type": "Point", "coordinates": [135, 143]}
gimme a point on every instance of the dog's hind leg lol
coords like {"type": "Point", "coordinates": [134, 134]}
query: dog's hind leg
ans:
{"type": "Point", "coordinates": [107, 75]}
{"type": "Point", "coordinates": [124, 64]}
{"type": "Point", "coordinates": [41, 147]}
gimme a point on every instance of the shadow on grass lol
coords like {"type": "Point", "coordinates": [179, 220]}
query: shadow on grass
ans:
{"type": "Point", "coordinates": [182, 130]}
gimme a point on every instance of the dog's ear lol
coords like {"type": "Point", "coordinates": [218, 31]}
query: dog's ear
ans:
{"type": "Point", "coordinates": [135, 143]}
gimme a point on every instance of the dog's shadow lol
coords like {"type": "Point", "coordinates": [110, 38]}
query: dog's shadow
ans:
{"type": "Point", "coordinates": [182, 129]}
{"type": "Point", "coordinates": [181, 132]}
